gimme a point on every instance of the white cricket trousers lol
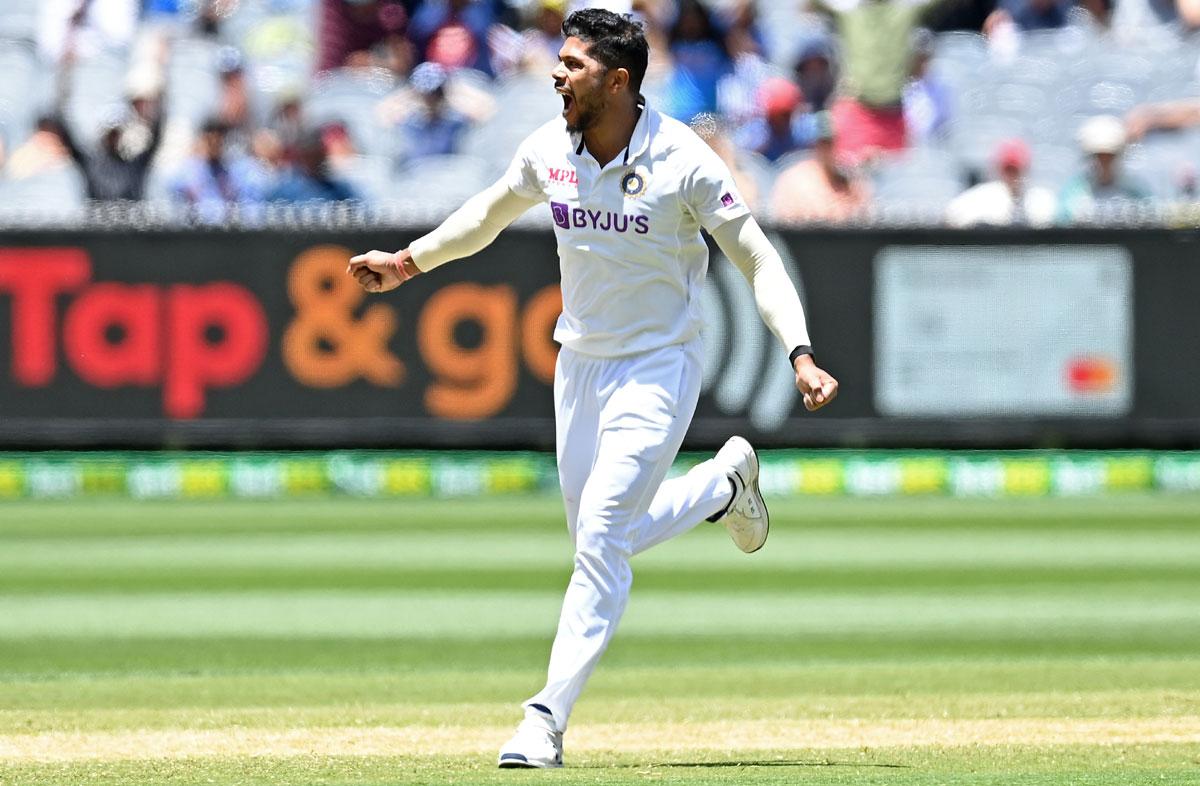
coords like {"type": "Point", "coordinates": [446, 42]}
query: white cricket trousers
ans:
{"type": "Point", "coordinates": [620, 422]}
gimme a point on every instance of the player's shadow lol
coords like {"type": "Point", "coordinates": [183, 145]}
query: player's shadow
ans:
{"type": "Point", "coordinates": [773, 763]}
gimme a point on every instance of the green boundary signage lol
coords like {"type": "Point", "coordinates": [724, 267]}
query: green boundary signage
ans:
{"type": "Point", "coordinates": [384, 474]}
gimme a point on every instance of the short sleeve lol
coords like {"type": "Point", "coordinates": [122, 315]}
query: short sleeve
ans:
{"type": "Point", "coordinates": [522, 174]}
{"type": "Point", "coordinates": [710, 192]}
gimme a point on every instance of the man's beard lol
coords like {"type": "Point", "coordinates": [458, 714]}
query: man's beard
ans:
{"type": "Point", "coordinates": [586, 117]}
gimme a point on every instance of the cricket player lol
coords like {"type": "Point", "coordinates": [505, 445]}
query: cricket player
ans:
{"type": "Point", "coordinates": [629, 191]}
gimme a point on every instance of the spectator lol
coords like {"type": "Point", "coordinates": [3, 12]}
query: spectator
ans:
{"type": "Point", "coordinates": [701, 59]}
{"type": "Point", "coordinates": [349, 29]}
{"type": "Point", "coordinates": [434, 128]}
{"type": "Point", "coordinates": [454, 33]}
{"type": "Point", "coordinates": [876, 40]}
{"type": "Point", "coordinates": [926, 99]}
{"type": "Point", "coordinates": [784, 126]}
{"type": "Point", "coordinates": [816, 72]}
{"type": "Point", "coordinates": [1163, 116]}
{"type": "Point", "coordinates": [213, 180]}
{"type": "Point", "coordinates": [742, 31]}
{"type": "Point", "coordinates": [965, 15]}
{"type": "Point", "coordinates": [820, 189]}
{"type": "Point", "coordinates": [1130, 15]}
{"type": "Point", "coordinates": [1007, 200]}
{"type": "Point", "coordinates": [309, 178]}
{"type": "Point", "coordinates": [738, 90]}
{"type": "Point", "coordinates": [110, 171]}
{"type": "Point", "coordinates": [544, 38]}
{"type": "Point", "coordinates": [233, 101]}
{"type": "Point", "coordinates": [1032, 14]}
{"type": "Point", "coordinates": [287, 125]}
{"type": "Point", "coordinates": [399, 57]}
{"type": "Point", "coordinates": [206, 15]}
{"type": "Point", "coordinates": [44, 151]}
{"type": "Point", "coordinates": [1102, 188]}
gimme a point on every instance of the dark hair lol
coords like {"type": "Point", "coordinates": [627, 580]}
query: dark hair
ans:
{"type": "Point", "coordinates": [214, 125]}
{"type": "Point", "coordinates": [708, 28]}
{"type": "Point", "coordinates": [616, 40]}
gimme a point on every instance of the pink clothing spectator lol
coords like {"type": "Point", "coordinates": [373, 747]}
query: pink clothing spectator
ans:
{"type": "Point", "coordinates": [808, 193]}
{"type": "Point", "coordinates": [865, 131]}
{"type": "Point", "coordinates": [820, 189]}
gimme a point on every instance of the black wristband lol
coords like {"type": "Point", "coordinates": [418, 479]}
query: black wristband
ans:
{"type": "Point", "coordinates": [803, 349]}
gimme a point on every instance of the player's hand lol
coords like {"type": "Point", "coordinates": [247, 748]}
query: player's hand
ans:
{"type": "Point", "coordinates": [379, 271]}
{"type": "Point", "coordinates": [818, 387]}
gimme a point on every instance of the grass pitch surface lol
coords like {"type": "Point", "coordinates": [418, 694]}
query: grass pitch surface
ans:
{"type": "Point", "coordinates": [344, 642]}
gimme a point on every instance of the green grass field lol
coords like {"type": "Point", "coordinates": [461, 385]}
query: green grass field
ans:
{"type": "Point", "coordinates": [345, 642]}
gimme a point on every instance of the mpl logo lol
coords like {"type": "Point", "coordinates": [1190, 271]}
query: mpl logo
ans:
{"type": "Point", "coordinates": [563, 176]}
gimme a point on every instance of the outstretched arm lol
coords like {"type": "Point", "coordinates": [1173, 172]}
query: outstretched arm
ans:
{"type": "Point", "coordinates": [466, 231]}
{"type": "Point", "coordinates": [1145, 118]}
{"type": "Point", "coordinates": [744, 242]}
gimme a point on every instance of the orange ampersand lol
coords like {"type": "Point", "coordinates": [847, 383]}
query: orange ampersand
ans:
{"type": "Point", "coordinates": [325, 346]}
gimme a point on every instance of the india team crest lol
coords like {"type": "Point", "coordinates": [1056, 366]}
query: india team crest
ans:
{"type": "Point", "coordinates": [634, 183]}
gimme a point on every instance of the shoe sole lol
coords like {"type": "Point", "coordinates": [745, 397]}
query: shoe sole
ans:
{"type": "Point", "coordinates": [759, 498]}
{"type": "Point", "coordinates": [524, 764]}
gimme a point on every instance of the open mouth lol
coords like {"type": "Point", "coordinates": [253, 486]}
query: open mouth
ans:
{"type": "Point", "coordinates": [568, 102]}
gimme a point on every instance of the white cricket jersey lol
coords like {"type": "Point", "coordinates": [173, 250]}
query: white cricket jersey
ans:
{"type": "Point", "coordinates": [629, 245]}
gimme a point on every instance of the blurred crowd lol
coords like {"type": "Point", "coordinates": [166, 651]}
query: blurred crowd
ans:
{"type": "Point", "coordinates": [820, 107]}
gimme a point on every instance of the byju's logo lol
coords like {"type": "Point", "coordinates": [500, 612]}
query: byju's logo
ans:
{"type": "Point", "coordinates": [605, 221]}
{"type": "Point", "coordinates": [562, 214]}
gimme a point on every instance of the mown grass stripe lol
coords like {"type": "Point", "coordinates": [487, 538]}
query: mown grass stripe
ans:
{"type": "Point", "coordinates": [792, 546]}
{"type": "Point", "coordinates": [469, 614]}
{"type": "Point", "coordinates": [743, 735]}
{"type": "Point", "coordinates": [741, 580]}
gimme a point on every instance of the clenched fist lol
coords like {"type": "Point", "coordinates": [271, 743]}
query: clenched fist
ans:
{"type": "Point", "coordinates": [381, 271]}
{"type": "Point", "coordinates": [818, 387]}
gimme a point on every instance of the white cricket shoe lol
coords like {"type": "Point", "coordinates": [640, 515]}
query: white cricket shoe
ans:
{"type": "Point", "coordinates": [537, 743]}
{"type": "Point", "coordinates": [746, 517]}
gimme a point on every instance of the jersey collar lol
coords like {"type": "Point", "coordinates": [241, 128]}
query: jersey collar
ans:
{"type": "Point", "coordinates": [638, 142]}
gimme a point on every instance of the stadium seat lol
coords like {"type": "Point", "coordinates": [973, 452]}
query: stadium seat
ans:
{"type": "Point", "coordinates": [370, 177]}
{"type": "Point", "coordinates": [192, 86]}
{"type": "Point", "coordinates": [760, 170]}
{"type": "Point", "coordinates": [18, 20]}
{"type": "Point", "coordinates": [350, 97]}
{"type": "Point", "coordinates": [18, 91]}
{"type": "Point", "coordinates": [1023, 102]}
{"type": "Point", "coordinates": [973, 138]}
{"type": "Point", "coordinates": [909, 198]}
{"type": "Point", "coordinates": [1051, 166]}
{"type": "Point", "coordinates": [1160, 162]}
{"type": "Point", "coordinates": [59, 193]}
{"type": "Point", "coordinates": [442, 183]}
{"type": "Point", "coordinates": [917, 184]}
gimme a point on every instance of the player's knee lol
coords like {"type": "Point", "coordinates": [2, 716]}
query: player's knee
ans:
{"type": "Point", "coordinates": [599, 546]}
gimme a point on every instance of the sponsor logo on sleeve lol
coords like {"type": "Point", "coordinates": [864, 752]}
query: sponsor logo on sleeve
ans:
{"type": "Point", "coordinates": [727, 199]}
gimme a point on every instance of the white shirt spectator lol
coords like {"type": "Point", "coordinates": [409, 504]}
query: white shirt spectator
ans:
{"type": "Point", "coordinates": [993, 204]}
